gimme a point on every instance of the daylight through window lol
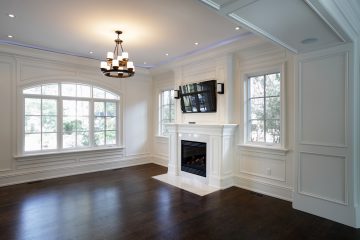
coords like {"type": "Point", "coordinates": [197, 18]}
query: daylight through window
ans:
{"type": "Point", "coordinates": [263, 108]}
{"type": "Point", "coordinates": [167, 110]}
{"type": "Point", "coordinates": [69, 116]}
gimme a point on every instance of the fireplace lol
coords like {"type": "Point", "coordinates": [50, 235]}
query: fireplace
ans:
{"type": "Point", "coordinates": [193, 157]}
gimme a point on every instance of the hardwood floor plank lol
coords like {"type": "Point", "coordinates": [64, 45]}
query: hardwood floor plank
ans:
{"type": "Point", "coordinates": [127, 203]}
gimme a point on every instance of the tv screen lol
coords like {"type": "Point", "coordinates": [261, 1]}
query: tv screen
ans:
{"type": "Point", "coordinates": [198, 97]}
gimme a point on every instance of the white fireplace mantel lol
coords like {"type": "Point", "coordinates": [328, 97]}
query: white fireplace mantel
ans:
{"type": "Point", "coordinates": [219, 139]}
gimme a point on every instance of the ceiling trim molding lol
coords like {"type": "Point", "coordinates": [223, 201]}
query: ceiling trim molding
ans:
{"type": "Point", "coordinates": [260, 31]}
{"type": "Point", "coordinates": [317, 7]}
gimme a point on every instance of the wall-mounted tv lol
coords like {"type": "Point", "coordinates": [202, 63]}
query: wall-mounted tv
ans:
{"type": "Point", "coordinates": [198, 97]}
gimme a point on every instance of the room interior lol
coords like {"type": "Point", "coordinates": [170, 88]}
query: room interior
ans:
{"type": "Point", "coordinates": [313, 44]}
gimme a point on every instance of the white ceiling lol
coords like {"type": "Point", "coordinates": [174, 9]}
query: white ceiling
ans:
{"type": "Point", "coordinates": [294, 24]}
{"type": "Point", "coordinates": [150, 28]}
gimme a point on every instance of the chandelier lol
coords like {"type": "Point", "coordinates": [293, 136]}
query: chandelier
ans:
{"type": "Point", "coordinates": [117, 66]}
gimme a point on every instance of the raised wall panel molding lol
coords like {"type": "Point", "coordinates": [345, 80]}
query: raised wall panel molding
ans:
{"type": "Point", "coordinates": [28, 175]}
{"type": "Point", "coordinates": [327, 182]}
{"type": "Point", "coordinates": [345, 55]}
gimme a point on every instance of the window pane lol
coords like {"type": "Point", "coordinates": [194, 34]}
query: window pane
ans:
{"type": "Point", "coordinates": [49, 123]}
{"type": "Point", "coordinates": [172, 113]}
{"type": "Point", "coordinates": [34, 90]}
{"type": "Point", "coordinates": [68, 90]}
{"type": "Point", "coordinates": [110, 137]}
{"type": "Point", "coordinates": [165, 112]}
{"type": "Point", "coordinates": [69, 107]}
{"type": "Point", "coordinates": [49, 107]}
{"type": "Point", "coordinates": [99, 108]}
{"type": "Point", "coordinates": [50, 89]}
{"type": "Point", "coordinates": [69, 124]}
{"type": "Point", "coordinates": [99, 138]}
{"type": "Point", "coordinates": [82, 108]}
{"type": "Point", "coordinates": [273, 131]}
{"type": "Point", "coordinates": [98, 93]}
{"type": "Point", "coordinates": [111, 123]}
{"type": "Point", "coordinates": [32, 124]}
{"type": "Point", "coordinates": [32, 142]}
{"type": "Point", "coordinates": [256, 131]}
{"type": "Point", "coordinates": [257, 108]}
{"type": "Point", "coordinates": [83, 91]}
{"type": "Point", "coordinates": [49, 141]}
{"type": "Point", "coordinates": [110, 109]}
{"type": "Point", "coordinates": [83, 139]}
{"type": "Point", "coordinates": [109, 95]}
{"type": "Point", "coordinates": [256, 86]}
{"type": "Point", "coordinates": [32, 106]}
{"type": "Point", "coordinates": [273, 108]}
{"type": "Point", "coordinates": [69, 140]}
{"type": "Point", "coordinates": [166, 97]}
{"type": "Point", "coordinates": [273, 84]}
{"type": "Point", "coordinates": [82, 124]}
{"type": "Point", "coordinates": [99, 123]}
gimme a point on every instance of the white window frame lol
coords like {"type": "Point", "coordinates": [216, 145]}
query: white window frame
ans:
{"type": "Point", "coordinates": [265, 71]}
{"type": "Point", "coordinates": [161, 100]}
{"type": "Point", "coordinates": [59, 129]}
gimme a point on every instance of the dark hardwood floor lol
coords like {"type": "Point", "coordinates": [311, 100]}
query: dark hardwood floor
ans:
{"type": "Point", "coordinates": [128, 204]}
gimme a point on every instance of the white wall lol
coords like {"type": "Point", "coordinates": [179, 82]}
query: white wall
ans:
{"type": "Point", "coordinates": [21, 67]}
{"type": "Point", "coordinates": [266, 169]}
{"type": "Point", "coordinates": [324, 135]}
{"type": "Point", "coordinates": [161, 82]}
{"type": "Point", "coordinates": [230, 65]}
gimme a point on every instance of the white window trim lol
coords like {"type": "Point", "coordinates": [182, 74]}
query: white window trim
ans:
{"type": "Point", "coordinates": [159, 125]}
{"type": "Point", "coordinates": [283, 141]}
{"type": "Point", "coordinates": [21, 153]}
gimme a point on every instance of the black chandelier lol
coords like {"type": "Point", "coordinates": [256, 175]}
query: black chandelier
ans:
{"type": "Point", "coordinates": [117, 66]}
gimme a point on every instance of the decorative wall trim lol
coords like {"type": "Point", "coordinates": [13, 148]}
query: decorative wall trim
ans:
{"type": "Point", "coordinates": [23, 176]}
{"type": "Point", "coordinates": [161, 159]}
{"type": "Point", "coordinates": [345, 54]}
{"type": "Point", "coordinates": [281, 192]}
{"type": "Point", "coordinates": [345, 187]}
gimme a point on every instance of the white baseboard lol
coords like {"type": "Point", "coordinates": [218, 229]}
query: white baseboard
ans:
{"type": "Point", "coordinates": [17, 177]}
{"type": "Point", "coordinates": [281, 192]}
{"type": "Point", "coordinates": [160, 160]}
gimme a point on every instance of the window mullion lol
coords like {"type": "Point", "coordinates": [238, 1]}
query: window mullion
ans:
{"type": "Point", "coordinates": [265, 108]}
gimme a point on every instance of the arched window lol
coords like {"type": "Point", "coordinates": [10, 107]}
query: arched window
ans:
{"type": "Point", "coordinates": [60, 116]}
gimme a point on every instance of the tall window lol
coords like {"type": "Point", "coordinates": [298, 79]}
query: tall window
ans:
{"type": "Point", "coordinates": [167, 110]}
{"type": "Point", "coordinates": [263, 108]}
{"type": "Point", "coordinates": [69, 116]}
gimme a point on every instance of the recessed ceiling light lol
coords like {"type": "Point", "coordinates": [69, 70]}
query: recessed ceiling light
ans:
{"type": "Point", "coordinates": [166, 54]}
{"type": "Point", "coordinates": [309, 40]}
{"type": "Point", "coordinates": [144, 63]}
{"type": "Point", "coordinates": [196, 43]}
{"type": "Point", "coordinates": [237, 28]}
{"type": "Point", "coordinates": [10, 36]}
{"type": "Point", "coordinates": [11, 15]}
{"type": "Point", "coordinates": [91, 52]}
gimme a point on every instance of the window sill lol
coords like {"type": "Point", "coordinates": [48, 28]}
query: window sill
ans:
{"type": "Point", "coordinates": [264, 148]}
{"type": "Point", "coordinates": [40, 154]}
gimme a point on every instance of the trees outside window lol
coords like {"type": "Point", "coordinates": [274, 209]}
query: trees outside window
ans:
{"type": "Point", "coordinates": [69, 116]}
{"type": "Point", "coordinates": [264, 108]}
{"type": "Point", "coordinates": [166, 110]}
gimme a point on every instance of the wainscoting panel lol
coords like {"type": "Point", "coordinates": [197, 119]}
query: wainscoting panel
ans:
{"type": "Point", "coordinates": [323, 176]}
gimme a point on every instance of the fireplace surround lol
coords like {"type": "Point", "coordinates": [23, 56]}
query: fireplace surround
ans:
{"type": "Point", "coordinates": [219, 142]}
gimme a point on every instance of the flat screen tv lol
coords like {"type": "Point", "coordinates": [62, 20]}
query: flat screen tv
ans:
{"type": "Point", "coordinates": [198, 97]}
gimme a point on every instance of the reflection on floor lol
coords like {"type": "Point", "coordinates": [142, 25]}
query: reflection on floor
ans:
{"type": "Point", "coordinates": [186, 184]}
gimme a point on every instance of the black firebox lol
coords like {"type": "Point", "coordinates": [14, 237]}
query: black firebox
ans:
{"type": "Point", "coordinates": [193, 157]}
